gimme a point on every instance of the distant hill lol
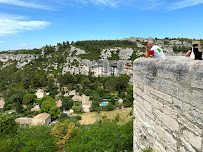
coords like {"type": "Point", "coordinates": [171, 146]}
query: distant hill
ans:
{"type": "Point", "coordinates": [103, 57]}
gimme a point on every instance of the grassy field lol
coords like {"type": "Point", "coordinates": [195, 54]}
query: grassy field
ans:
{"type": "Point", "coordinates": [92, 117]}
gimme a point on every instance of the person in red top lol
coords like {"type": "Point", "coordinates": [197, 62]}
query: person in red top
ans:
{"type": "Point", "coordinates": [154, 50]}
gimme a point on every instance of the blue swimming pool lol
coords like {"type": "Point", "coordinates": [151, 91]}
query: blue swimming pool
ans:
{"type": "Point", "coordinates": [105, 103]}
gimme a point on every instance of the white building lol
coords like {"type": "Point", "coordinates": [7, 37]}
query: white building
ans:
{"type": "Point", "coordinates": [72, 92]}
{"type": "Point", "coordinates": [59, 103]}
{"type": "Point", "coordinates": [35, 108]}
{"type": "Point", "coordinates": [2, 102]}
{"type": "Point", "coordinates": [43, 118]}
{"type": "Point", "coordinates": [40, 93]}
{"type": "Point", "coordinates": [86, 103]}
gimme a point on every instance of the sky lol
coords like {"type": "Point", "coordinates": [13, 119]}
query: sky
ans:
{"type": "Point", "coordinates": [28, 24]}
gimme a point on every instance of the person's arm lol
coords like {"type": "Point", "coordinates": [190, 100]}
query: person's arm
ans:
{"type": "Point", "coordinates": [188, 53]}
{"type": "Point", "coordinates": [146, 53]}
{"type": "Point", "coordinates": [199, 47]}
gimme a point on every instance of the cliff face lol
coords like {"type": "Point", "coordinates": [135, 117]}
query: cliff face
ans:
{"type": "Point", "coordinates": [22, 59]}
{"type": "Point", "coordinates": [104, 68]}
{"type": "Point", "coordinates": [168, 104]}
{"type": "Point", "coordinates": [76, 65]}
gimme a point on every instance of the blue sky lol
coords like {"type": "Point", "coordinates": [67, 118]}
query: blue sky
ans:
{"type": "Point", "coordinates": [27, 24]}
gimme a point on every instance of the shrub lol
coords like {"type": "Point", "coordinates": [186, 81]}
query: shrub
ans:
{"type": "Point", "coordinates": [62, 117]}
{"type": "Point", "coordinates": [117, 118]}
{"type": "Point", "coordinates": [104, 116]}
{"type": "Point", "coordinates": [76, 117]}
{"type": "Point", "coordinates": [77, 109]}
{"type": "Point", "coordinates": [88, 92]}
{"type": "Point", "coordinates": [131, 112]}
{"type": "Point", "coordinates": [7, 125]}
{"type": "Point", "coordinates": [108, 107]}
{"type": "Point", "coordinates": [29, 98]}
{"type": "Point", "coordinates": [122, 95]}
{"type": "Point", "coordinates": [103, 136]}
{"type": "Point", "coordinates": [148, 150]}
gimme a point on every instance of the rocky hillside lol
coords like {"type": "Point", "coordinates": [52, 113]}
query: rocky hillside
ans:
{"type": "Point", "coordinates": [104, 58]}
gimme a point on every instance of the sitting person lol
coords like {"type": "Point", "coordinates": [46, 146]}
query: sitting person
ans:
{"type": "Point", "coordinates": [154, 50]}
{"type": "Point", "coordinates": [197, 49]}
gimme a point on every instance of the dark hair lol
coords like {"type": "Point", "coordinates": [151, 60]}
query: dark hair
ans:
{"type": "Point", "coordinates": [195, 45]}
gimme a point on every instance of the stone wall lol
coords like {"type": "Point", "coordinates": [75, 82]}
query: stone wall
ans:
{"type": "Point", "coordinates": [168, 105]}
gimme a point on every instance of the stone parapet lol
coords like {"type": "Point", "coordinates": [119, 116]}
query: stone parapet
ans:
{"type": "Point", "coordinates": [168, 105]}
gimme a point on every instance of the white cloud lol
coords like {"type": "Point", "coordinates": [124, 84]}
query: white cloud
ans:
{"type": "Point", "coordinates": [147, 4]}
{"type": "Point", "coordinates": [168, 5]}
{"type": "Point", "coordinates": [111, 3]}
{"type": "Point", "coordinates": [183, 4]}
{"type": "Point", "coordinates": [144, 5]}
{"type": "Point", "coordinates": [15, 24]}
{"type": "Point", "coordinates": [107, 3]}
{"type": "Point", "coordinates": [26, 4]}
{"type": "Point", "coordinates": [23, 45]}
{"type": "Point", "coordinates": [2, 41]}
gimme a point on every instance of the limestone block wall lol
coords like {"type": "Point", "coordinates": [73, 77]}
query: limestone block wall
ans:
{"type": "Point", "coordinates": [168, 104]}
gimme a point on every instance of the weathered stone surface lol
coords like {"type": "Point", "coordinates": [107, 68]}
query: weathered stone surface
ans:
{"type": "Point", "coordinates": [124, 54]}
{"type": "Point", "coordinates": [188, 146]}
{"type": "Point", "coordinates": [169, 105]}
{"type": "Point", "coordinates": [192, 139]}
{"type": "Point", "coordinates": [22, 59]}
{"type": "Point", "coordinates": [170, 123]}
{"type": "Point", "coordinates": [197, 75]}
{"type": "Point", "coordinates": [177, 103]}
{"type": "Point", "coordinates": [103, 67]}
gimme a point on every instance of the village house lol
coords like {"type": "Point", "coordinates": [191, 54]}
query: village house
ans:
{"type": "Point", "coordinates": [43, 118]}
{"type": "Point", "coordinates": [35, 108]}
{"type": "Point", "coordinates": [86, 104]}
{"type": "Point", "coordinates": [24, 120]}
{"type": "Point", "coordinates": [2, 103]}
{"type": "Point", "coordinates": [59, 103]}
{"type": "Point", "coordinates": [64, 89]}
{"type": "Point", "coordinates": [68, 112]}
{"type": "Point", "coordinates": [40, 93]}
{"type": "Point", "coordinates": [59, 94]}
{"type": "Point", "coordinates": [66, 95]}
{"type": "Point", "coordinates": [120, 101]}
{"type": "Point", "coordinates": [72, 92]}
{"type": "Point", "coordinates": [77, 98]}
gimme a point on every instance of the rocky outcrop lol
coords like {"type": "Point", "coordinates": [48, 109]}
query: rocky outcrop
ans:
{"type": "Point", "coordinates": [100, 68]}
{"type": "Point", "coordinates": [19, 57]}
{"type": "Point", "coordinates": [168, 104]}
{"type": "Point", "coordinates": [165, 44]}
{"type": "Point", "coordinates": [106, 66]}
{"type": "Point", "coordinates": [123, 54]}
{"type": "Point", "coordinates": [22, 59]}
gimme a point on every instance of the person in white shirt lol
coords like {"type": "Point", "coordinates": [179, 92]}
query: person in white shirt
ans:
{"type": "Point", "coordinates": [154, 50]}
